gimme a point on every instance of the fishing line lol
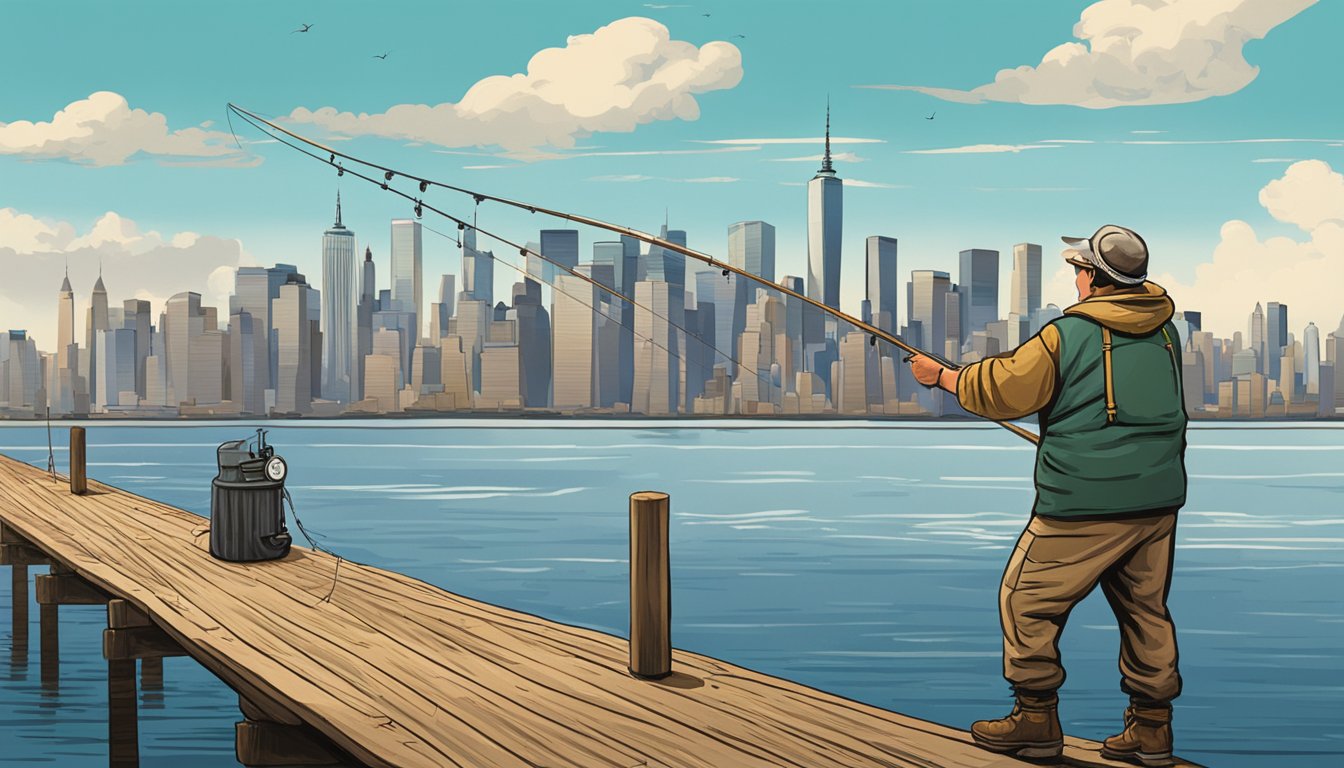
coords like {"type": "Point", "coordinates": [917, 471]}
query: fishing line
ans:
{"type": "Point", "coordinates": [337, 573]}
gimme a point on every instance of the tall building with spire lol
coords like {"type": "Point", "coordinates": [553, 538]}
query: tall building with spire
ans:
{"type": "Point", "coordinates": [825, 214]}
{"type": "Point", "coordinates": [338, 311]}
{"type": "Point", "coordinates": [97, 321]}
{"type": "Point", "coordinates": [65, 323]}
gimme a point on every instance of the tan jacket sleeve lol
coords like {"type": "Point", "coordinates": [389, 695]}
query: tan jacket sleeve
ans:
{"type": "Point", "coordinates": [1013, 385]}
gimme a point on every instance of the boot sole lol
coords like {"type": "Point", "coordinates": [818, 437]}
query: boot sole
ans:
{"type": "Point", "coordinates": [1147, 759]}
{"type": "Point", "coordinates": [1036, 750]}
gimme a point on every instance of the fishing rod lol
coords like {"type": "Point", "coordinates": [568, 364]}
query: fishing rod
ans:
{"type": "Point", "coordinates": [873, 331]}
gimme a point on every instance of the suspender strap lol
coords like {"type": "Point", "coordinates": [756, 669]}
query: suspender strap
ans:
{"type": "Point", "coordinates": [1110, 380]}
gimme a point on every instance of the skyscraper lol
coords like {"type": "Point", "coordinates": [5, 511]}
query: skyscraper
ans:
{"type": "Point", "coordinates": [97, 321]}
{"type": "Point", "coordinates": [751, 247]}
{"type": "Point", "coordinates": [825, 215]}
{"type": "Point", "coordinates": [1276, 336]}
{"type": "Point", "coordinates": [478, 270]}
{"type": "Point", "coordinates": [1311, 364]}
{"type": "Point", "coordinates": [979, 289]}
{"type": "Point", "coordinates": [368, 304]}
{"type": "Point", "coordinates": [573, 342]}
{"type": "Point", "coordinates": [1257, 337]}
{"type": "Point", "coordinates": [927, 305]}
{"type": "Point", "coordinates": [559, 246]}
{"type": "Point", "coordinates": [881, 281]}
{"type": "Point", "coordinates": [135, 313]}
{"type": "Point", "coordinates": [293, 390]}
{"type": "Point", "coordinates": [406, 263]}
{"type": "Point", "coordinates": [338, 310]}
{"type": "Point", "coordinates": [1026, 297]}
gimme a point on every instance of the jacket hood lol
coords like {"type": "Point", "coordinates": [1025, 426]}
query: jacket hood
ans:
{"type": "Point", "coordinates": [1136, 311]}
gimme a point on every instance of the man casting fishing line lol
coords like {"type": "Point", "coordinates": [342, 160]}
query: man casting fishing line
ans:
{"type": "Point", "coordinates": [1104, 380]}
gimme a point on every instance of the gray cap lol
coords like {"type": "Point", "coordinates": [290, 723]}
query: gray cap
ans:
{"type": "Point", "coordinates": [1118, 252]}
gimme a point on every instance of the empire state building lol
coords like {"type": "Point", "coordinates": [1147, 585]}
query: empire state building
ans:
{"type": "Point", "coordinates": [825, 204]}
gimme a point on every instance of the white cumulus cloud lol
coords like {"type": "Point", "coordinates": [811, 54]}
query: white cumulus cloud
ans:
{"type": "Point", "coordinates": [1303, 273]}
{"type": "Point", "coordinates": [1131, 52]}
{"type": "Point", "coordinates": [105, 130]}
{"type": "Point", "coordinates": [625, 74]}
{"type": "Point", "coordinates": [35, 252]}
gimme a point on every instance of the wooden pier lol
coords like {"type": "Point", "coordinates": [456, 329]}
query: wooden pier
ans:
{"type": "Point", "coordinates": [391, 671]}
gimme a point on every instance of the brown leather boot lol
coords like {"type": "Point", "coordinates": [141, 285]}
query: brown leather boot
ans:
{"type": "Point", "coordinates": [1031, 730]}
{"type": "Point", "coordinates": [1146, 739]}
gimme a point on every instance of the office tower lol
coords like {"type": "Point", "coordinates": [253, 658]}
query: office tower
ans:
{"type": "Point", "coordinates": [1311, 363]}
{"type": "Point", "coordinates": [1334, 354]}
{"type": "Point", "coordinates": [729, 314]}
{"type": "Point", "coordinates": [573, 342]}
{"type": "Point", "coordinates": [136, 317]}
{"type": "Point", "coordinates": [751, 247]}
{"type": "Point", "coordinates": [368, 304]}
{"type": "Point", "coordinates": [950, 344]}
{"type": "Point", "coordinates": [65, 323]}
{"type": "Point", "coordinates": [656, 373]}
{"type": "Point", "coordinates": [453, 372]}
{"type": "Point", "coordinates": [182, 323]}
{"type": "Point", "coordinates": [1244, 362]}
{"type": "Point", "coordinates": [97, 320]}
{"type": "Point", "coordinates": [426, 370]}
{"type": "Point", "coordinates": [293, 388]}
{"type": "Point", "coordinates": [1195, 319]}
{"type": "Point", "coordinates": [382, 369]}
{"type": "Point", "coordinates": [115, 353]}
{"type": "Point", "coordinates": [407, 256]}
{"type": "Point", "coordinates": [825, 215]}
{"type": "Point", "coordinates": [881, 282]}
{"type": "Point", "coordinates": [339, 325]}
{"type": "Point", "coordinates": [20, 374]}
{"type": "Point", "coordinates": [478, 270]}
{"type": "Point", "coordinates": [622, 256]}
{"type": "Point", "coordinates": [247, 363]}
{"type": "Point", "coordinates": [559, 246]}
{"type": "Point", "coordinates": [1276, 336]}
{"type": "Point", "coordinates": [473, 323]}
{"type": "Point", "coordinates": [534, 343]}
{"type": "Point", "coordinates": [1325, 407]}
{"type": "Point", "coordinates": [926, 303]}
{"type": "Point", "coordinates": [978, 284]}
{"type": "Point", "coordinates": [1041, 317]}
{"type": "Point", "coordinates": [1026, 295]}
{"type": "Point", "coordinates": [852, 388]}
{"type": "Point", "coordinates": [443, 310]}
{"type": "Point", "coordinates": [253, 289]}
{"type": "Point", "coordinates": [1257, 333]}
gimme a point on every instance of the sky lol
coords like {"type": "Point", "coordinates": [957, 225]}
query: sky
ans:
{"type": "Point", "coordinates": [1212, 127]}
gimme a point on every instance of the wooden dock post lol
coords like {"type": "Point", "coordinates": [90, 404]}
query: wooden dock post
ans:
{"type": "Point", "coordinates": [18, 651]}
{"type": "Point", "coordinates": [650, 587]}
{"type": "Point", "coordinates": [50, 631]}
{"type": "Point", "coordinates": [151, 674]}
{"type": "Point", "coordinates": [78, 481]}
{"type": "Point", "coordinates": [123, 726]}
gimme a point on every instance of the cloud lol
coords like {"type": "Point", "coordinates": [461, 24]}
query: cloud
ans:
{"type": "Point", "coordinates": [633, 177]}
{"type": "Point", "coordinates": [1246, 269]}
{"type": "Point", "coordinates": [980, 149]}
{"type": "Point", "coordinates": [872, 184]}
{"type": "Point", "coordinates": [1136, 52]}
{"type": "Point", "coordinates": [135, 264]}
{"type": "Point", "coordinates": [104, 130]}
{"type": "Point", "coordinates": [839, 157]}
{"type": "Point", "coordinates": [810, 140]}
{"type": "Point", "coordinates": [625, 74]}
{"type": "Point", "coordinates": [1276, 160]}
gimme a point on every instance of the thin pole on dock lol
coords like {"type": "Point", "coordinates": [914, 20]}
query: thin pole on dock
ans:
{"type": "Point", "coordinates": [650, 587]}
{"type": "Point", "coordinates": [78, 482]}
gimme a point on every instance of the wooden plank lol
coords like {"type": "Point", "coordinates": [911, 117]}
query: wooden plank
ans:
{"type": "Point", "coordinates": [394, 671]}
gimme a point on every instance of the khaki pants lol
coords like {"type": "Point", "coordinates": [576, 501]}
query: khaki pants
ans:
{"type": "Point", "coordinates": [1056, 564]}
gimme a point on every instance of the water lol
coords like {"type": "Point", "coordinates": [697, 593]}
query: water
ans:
{"type": "Point", "coordinates": [857, 558]}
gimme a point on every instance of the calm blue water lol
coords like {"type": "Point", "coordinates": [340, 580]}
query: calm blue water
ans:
{"type": "Point", "coordinates": [860, 559]}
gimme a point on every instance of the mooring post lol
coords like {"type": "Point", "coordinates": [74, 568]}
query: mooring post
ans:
{"type": "Point", "coordinates": [78, 482]}
{"type": "Point", "coordinates": [50, 631]}
{"type": "Point", "coordinates": [650, 587]}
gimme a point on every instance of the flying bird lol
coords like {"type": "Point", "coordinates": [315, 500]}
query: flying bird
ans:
{"type": "Point", "coordinates": [306, 27]}
{"type": "Point", "coordinates": [384, 56]}
{"type": "Point", "coordinates": [744, 37]}
{"type": "Point", "coordinates": [706, 15]}
{"type": "Point", "coordinates": [930, 117]}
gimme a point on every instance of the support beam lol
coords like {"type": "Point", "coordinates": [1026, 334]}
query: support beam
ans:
{"type": "Point", "coordinates": [261, 743]}
{"type": "Point", "coordinates": [132, 635]}
{"type": "Point", "coordinates": [123, 727]}
{"type": "Point", "coordinates": [58, 588]}
{"type": "Point", "coordinates": [18, 550]}
{"type": "Point", "coordinates": [50, 630]}
{"type": "Point", "coordinates": [18, 650]}
{"type": "Point", "coordinates": [151, 673]}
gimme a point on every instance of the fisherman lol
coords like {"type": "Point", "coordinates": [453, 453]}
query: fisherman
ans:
{"type": "Point", "coordinates": [1105, 382]}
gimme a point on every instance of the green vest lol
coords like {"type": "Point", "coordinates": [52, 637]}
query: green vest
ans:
{"type": "Point", "coordinates": [1086, 467]}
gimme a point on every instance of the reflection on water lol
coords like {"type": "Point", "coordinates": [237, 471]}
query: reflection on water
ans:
{"type": "Point", "coordinates": [861, 560]}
